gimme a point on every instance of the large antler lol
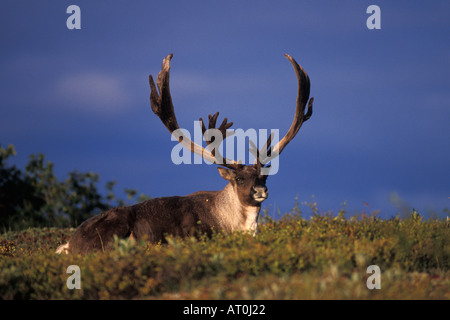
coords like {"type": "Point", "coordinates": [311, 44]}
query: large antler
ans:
{"type": "Point", "coordinates": [162, 106]}
{"type": "Point", "coordinates": [267, 153]}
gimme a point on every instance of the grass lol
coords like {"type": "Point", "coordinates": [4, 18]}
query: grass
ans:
{"type": "Point", "coordinates": [325, 257]}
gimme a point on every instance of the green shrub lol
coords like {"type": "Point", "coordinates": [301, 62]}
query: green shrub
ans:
{"type": "Point", "coordinates": [290, 258]}
{"type": "Point", "coordinates": [35, 197]}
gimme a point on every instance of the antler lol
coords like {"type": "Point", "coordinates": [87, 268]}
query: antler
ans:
{"type": "Point", "coordinates": [223, 130]}
{"type": "Point", "coordinates": [212, 125]}
{"type": "Point", "coordinates": [304, 86]}
{"type": "Point", "coordinates": [162, 106]}
{"type": "Point", "coordinates": [267, 153]}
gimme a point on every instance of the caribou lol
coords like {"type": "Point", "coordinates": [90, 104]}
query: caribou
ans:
{"type": "Point", "coordinates": [234, 208]}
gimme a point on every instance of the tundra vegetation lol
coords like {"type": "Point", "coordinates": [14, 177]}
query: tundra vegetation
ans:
{"type": "Point", "coordinates": [324, 257]}
{"type": "Point", "coordinates": [302, 254]}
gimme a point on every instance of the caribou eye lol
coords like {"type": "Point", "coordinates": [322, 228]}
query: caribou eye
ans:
{"type": "Point", "coordinates": [239, 180]}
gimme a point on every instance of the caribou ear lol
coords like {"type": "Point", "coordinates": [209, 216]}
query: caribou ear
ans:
{"type": "Point", "coordinates": [227, 174]}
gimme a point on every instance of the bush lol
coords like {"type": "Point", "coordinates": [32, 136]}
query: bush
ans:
{"type": "Point", "coordinates": [35, 197]}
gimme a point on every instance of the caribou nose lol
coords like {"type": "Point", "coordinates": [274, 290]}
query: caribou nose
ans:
{"type": "Point", "coordinates": [259, 192]}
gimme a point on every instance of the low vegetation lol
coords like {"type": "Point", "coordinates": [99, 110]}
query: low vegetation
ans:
{"type": "Point", "coordinates": [324, 257]}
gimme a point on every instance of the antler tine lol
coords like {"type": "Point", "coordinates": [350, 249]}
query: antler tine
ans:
{"type": "Point", "coordinates": [223, 130]}
{"type": "Point", "coordinates": [161, 103]}
{"type": "Point", "coordinates": [255, 152]}
{"type": "Point", "coordinates": [212, 124]}
{"type": "Point", "coordinates": [267, 150]}
{"type": "Point", "coordinates": [264, 155]}
{"type": "Point", "coordinates": [302, 99]}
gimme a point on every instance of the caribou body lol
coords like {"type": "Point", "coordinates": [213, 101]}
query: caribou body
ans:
{"type": "Point", "coordinates": [234, 208]}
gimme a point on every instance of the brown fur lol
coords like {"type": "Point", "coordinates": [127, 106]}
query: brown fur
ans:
{"type": "Point", "coordinates": [233, 208]}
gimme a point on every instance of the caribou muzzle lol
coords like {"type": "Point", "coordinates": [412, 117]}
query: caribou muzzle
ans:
{"type": "Point", "coordinates": [260, 193]}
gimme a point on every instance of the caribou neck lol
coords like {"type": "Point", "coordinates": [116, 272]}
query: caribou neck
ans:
{"type": "Point", "coordinates": [233, 215]}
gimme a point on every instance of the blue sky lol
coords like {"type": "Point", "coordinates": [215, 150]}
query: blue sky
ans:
{"type": "Point", "coordinates": [380, 127]}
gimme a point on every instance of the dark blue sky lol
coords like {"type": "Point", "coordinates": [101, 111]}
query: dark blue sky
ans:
{"type": "Point", "coordinates": [380, 127]}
